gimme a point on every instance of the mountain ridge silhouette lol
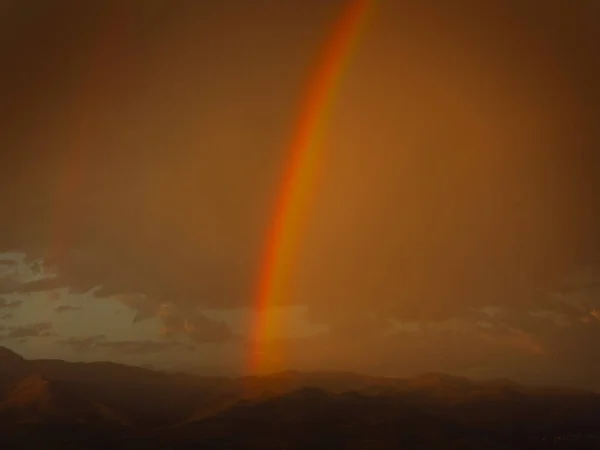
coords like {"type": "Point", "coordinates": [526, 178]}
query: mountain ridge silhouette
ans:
{"type": "Point", "coordinates": [79, 405]}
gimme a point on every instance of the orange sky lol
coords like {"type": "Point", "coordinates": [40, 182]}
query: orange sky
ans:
{"type": "Point", "coordinates": [461, 174]}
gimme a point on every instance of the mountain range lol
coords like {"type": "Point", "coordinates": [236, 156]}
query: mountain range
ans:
{"type": "Point", "coordinates": [50, 404]}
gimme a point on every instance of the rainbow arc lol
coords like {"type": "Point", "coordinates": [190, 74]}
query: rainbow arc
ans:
{"type": "Point", "coordinates": [298, 186]}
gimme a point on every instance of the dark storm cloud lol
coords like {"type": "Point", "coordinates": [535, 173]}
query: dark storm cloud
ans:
{"type": "Point", "coordinates": [124, 347]}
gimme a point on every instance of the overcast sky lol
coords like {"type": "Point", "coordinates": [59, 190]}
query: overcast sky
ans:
{"type": "Point", "coordinates": [455, 228]}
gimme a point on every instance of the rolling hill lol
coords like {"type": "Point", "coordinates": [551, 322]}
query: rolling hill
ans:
{"type": "Point", "coordinates": [59, 404]}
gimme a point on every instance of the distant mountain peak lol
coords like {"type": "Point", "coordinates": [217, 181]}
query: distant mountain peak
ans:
{"type": "Point", "coordinates": [8, 357]}
{"type": "Point", "coordinates": [438, 378]}
{"type": "Point", "coordinates": [309, 393]}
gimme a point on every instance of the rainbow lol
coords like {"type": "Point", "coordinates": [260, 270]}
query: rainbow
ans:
{"type": "Point", "coordinates": [297, 187]}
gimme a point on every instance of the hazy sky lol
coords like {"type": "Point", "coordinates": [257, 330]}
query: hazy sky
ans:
{"type": "Point", "coordinates": [455, 228]}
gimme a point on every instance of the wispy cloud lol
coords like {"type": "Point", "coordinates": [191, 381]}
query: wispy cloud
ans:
{"type": "Point", "coordinates": [193, 324]}
{"type": "Point", "coordinates": [82, 343]}
{"type": "Point", "coordinates": [67, 308]}
{"type": "Point", "coordinates": [147, 346]}
{"type": "Point", "coordinates": [8, 304]}
{"type": "Point", "coordinates": [126, 347]}
{"type": "Point", "coordinates": [177, 319]}
{"type": "Point", "coordinates": [41, 329]}
{"type": "Point", "coordinates": [17, 274]}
